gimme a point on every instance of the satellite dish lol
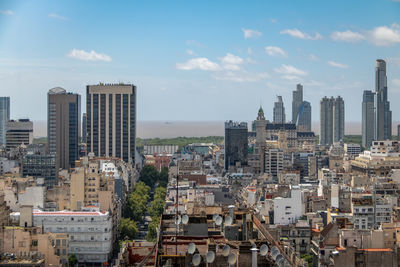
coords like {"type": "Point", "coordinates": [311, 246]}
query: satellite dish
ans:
{"type": "Point", "coordinates": [274, 248]}
{"type": "Point", "coordinates": [232, 259]}
{"type": "Point", "coordinates": [196, 259]}
{"type": "Point", "coordinates": [263, 250]}
{"type": "Point", "coordinates": [274, 254]}
{"type": "Point", "coordinates": [215, 217]}
{"type": "Point", "coordinates": [179, 220]}
{"type": "Point", "coordinates": [216, 248]}
{"type": "Point", "coordinates": [279, 258]}
{"type": "Point", "coordinates": [286, 263]}
{"type": "Point", "coordinates": [280, 262]}
{"type": "Point", "coordinates": [228, 220]}
{"type": "Point", "coordinates": [218, 220]}
{"type": "Point", "coordinates": [185, 219]}
{"type": "Point", "coordinates": [225, 250]}
{"type": "Point", "coordinates": [210, 257]}
{"type": "Point", "coordinates": [191, 248]}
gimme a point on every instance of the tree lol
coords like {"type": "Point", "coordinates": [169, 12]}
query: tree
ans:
{"type": "Point", "coordinates": [152, 231]}
{"type": "Point", "coordinates": [149, 175]}
{"type": "Point", "coordinates": [163, 177]}
{"type": "Point", "coordinates": [72, 260]}
{"type": "Point", "coordinates": [128, 228]}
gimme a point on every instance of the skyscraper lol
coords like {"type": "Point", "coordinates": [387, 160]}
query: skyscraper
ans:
{"type": "Point", "coordinates": [296, 102]}
{"type": "Point", "coordinates": [63, 126]}
{"type": "Point", "coordinates": [331, 120]}
{"type": "Point", "coordinates": [18, 133]}
{"type": "Point", "coordinates": [279, 111]}
{"type": "Point", "coordinates": [383, 115]}
{"type": "Point", "coordinates": [236, 143]}
{"type": "Point", "coordinates": [84, 128]}
{"type": "Point", "coordinates": [368, 118]}
{"type": "Point", "coordinates": [111, 120]}
{"type": "Point", "coordinates": [304, 117]}
{"type": "Point", "coordinates": [4, 118]}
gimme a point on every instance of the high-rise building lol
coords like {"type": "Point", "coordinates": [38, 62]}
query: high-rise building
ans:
{"type": "Point", "coordinates": [331, 120]}
{"type": "Point", "coordinates": [383, 115]}
{"type": "Point", "coordinates": [296, 102]}
{"type": "Point", "coordinates": [236, 143]}
{"type": "Point", "coordinates": [304, 117]}
{"type": "Point", "coordinates": [63, 126]}
{"type": "Point", "coordinates": [41, 165]}
{"type": "Point", "coordinates": [84, 128]}
{"type": "Point", "coordinates": [18, 133]}
{"type": "Point", "coordinates": [111, 120]}
{"type": "Point", "coordinates": [274, 162]}
{"type": "Point", "coordinates": [279, 111]}
{"type": "Point", "coordinates": [398, 132]}
{"type": "Point", "coordinates": [4, 117]}
{"type": "Point", "coordinates": [368, 118]}
{"type": "Point", "coordinates": [261, 133]}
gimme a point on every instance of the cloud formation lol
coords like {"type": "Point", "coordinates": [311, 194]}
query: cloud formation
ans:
{"type": "Point", "coordinates": [337, 65]}
{"type": "Point", "coordinates": [249, 33]}
{"type": "Point", "coordinates": [57, 16]}
{"type": "Point", "coordinates": [275, 51]}
{"type": "Point", "coordinates": [347, 36]}
{"type": "Point", "coordinates": [231, 62]}
{"type": "Point", "coordinates": [296, 33]}
{"type": "Point", "coordinates": [88, 56]}
{"type": "Point", "coordinates": [290, 70]}
{"type": "Point", "coordinates": [200, 63]}
{"type": "Point", "coordinates": [6, 12]}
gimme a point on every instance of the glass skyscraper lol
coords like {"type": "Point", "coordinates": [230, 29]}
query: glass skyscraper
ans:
{"type": "Point", "coordinates": [383, 115]}
{"type": "Point", "coordinates": [368, 119]}
{"type": "Point", "coordinates": [4, 118]}
{"type": "Point", "coordinates": [279, 111]}
{"type": "Point", "coordinates": [304, 117]}
{"type": "Point", "coordinates": [331, 120]}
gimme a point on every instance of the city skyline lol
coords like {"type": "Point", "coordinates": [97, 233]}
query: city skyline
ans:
{"type": "Point", "coordinates": [171, 54]}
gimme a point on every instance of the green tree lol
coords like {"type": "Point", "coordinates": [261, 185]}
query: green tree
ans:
{"type": "Point", "coordinates": [149, 175]}
{"type": "Point", "coordinates": [152, 231]}
{"type": "Point", "coordinates": [128, 228]}
{"type": "Point", "coordinates": [136, 205]}
{"type": "Point", "coordinates": [72, 260]}
{"type": "Point", "coordinates": [163, 177]}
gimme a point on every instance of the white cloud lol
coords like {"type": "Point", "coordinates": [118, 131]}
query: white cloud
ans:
{"type": "Point", "coordinates": [290, 70]}
{"type": "Point", "coordinates": [384, 35]}
{"type": "Point", "coordinates": [6, 12]}
{"type": "Point", "coordinates": [241, 76]}
{"type": "Point", "coordinates": [57, 16]}
{"type": "Point", "coordinates": [347, 36]}
{"type": "Point", "coordinates": [88, 56]}
{"type": "Point", "coordinates": [249, 33]}
{"type": "Point", "coordinates": [201, 63]}
{"type": "Point", "coordinates": [291, 77]}
{"type": "Point", "coordinates": [231, 62]}
{"type": "Point", "coordinates": [301, 35]}
{"type": "Point", "coordinates": [337, 65]}
{"type": "Point", "coordinates": [314, 57]}
{"type": "Point", "coordinates": [275, 51]}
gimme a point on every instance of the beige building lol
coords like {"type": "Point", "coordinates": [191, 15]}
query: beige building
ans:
{"type": "Point", "coordinates": [18, 133]}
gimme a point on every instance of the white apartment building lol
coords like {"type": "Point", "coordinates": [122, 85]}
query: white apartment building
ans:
{"type": "Point", "coordinates": [352, 149]}
{"type": "Point", "coordinates": [288, 210]}
{"type": "Point", "coordinates": [90, 232]}
{"type": "Point", "coordinates": [274, 162]}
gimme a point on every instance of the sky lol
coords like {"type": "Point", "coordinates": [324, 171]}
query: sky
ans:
{"type": "Point", "coordinates": [199, 60]}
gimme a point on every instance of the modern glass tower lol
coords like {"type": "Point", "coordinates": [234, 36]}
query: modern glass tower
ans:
{"type": "Point", "coordinates": [111, 120]}
{"type": "Point", "coordinates": [383, 115]}
{"type": "Point", "coordinates": [236, 143]}
{"type": "Point", "coordinates": [368, 118]}
{"type": "Point", "coordinates": [304, 117]}
{"type": "Point", "coordinates": [279, 111]}
{"type": "Point", "coordinates": [4, 118]}
{"type": "Point", "coordinates": [296, 102]}
{"type": "Point", "coordinates": [331, 120]}
{"type": "Point", "coordinates": [64, 126]}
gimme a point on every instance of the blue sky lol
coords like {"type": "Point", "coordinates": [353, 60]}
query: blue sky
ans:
{"type": "Point", "coordinates": [199, 60]}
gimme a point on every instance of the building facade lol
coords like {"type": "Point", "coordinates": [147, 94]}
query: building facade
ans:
{"type": "Point", "coordinates": [296, 101]}
{"type": "Point", "coordinates": [304, 117]}
{"type": "Point", "coordinates": [84, 128]}
{"type": "Point", "coordinates": [383, 115]}
{"type": "Point", "coordinates": [279, 111]}
{"type": "Point", "coordinates": [42, 166]}
{"type": "Point", "coordinates": [368, 118]}
{"type": "Point", "coordinates": [236, 143]}
{"type": "Point", "coordinates": [63, 126]}
{"type": "Point", "coordinates": [4, 117]}
{"type": "Point", "coordinates": [18, 133]}
{"type": "Point", "coordinates": [331, 120]}
{"type": "Point", "coordinates": [111, 120]}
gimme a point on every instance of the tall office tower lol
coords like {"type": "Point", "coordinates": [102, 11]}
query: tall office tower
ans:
{"type": "Point", "coordinates": [18, 133]}
{"type": "Point", "coordinates": [279, 111]}
{"type": "Point", "coordinates": [296, 102]}
{"type": "Point", "coordinates": [304, 117]}
{"type": "Point", "coordinates": [84, 128]}
{"type": "Point", "coordinates": [64, 126]}
{"type": "Point", "coordinates": [368, 118]}
{"type": "Point", "coordinates": [236, 143]}
{"type": "Point", "coordinates": [398, 132]}
{"type": "Point", "coordinates": [4, 117]}
{"type": "Point", "coordinates": [331, 120]}
{"type": "Point", "coordinates": [261, 136]}
{"type": "Point", "coordinates": [111, 120]}
{"type": "Point", "coordinates": [338, 119]}
{"type": "Point", "coordinates": [383, 115]}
